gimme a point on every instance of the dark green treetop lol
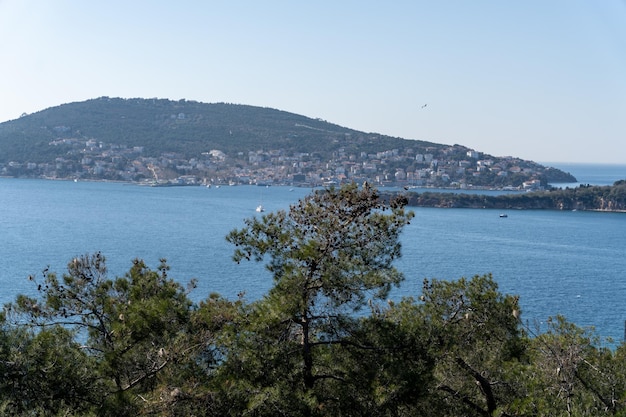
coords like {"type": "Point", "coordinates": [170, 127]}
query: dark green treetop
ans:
{"type": "Point", "coordinates": [329, 254]}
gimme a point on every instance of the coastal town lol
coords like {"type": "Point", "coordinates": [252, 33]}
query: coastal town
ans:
{"type": "Point", "coordinates": [444, 166]}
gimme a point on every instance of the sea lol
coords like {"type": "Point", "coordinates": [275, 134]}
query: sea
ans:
{"type": "Point", "coordinates": [559, 263]}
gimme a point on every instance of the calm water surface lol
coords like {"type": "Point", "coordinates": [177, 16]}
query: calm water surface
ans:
{"type": "Point", "coordinates": [591, 173]}
{"type": "Point", "coordinates": [569, 263]}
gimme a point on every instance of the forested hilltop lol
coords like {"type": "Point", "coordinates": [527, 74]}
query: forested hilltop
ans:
{"type": "Point", "coordinates": [323, 341]}
{"type": "Point", "coordinates": [187, 142]}
{"type": "Point", "coordinates": [583, 197]}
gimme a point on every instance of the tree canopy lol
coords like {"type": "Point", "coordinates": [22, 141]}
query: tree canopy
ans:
{"type": "Point", "coordinates": [324, 341]}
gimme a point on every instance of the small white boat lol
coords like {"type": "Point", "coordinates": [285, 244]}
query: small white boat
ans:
{"type": "Point", "coordinates": [504, 215]}
{"type": "Point", "coordinates": [260, 208]}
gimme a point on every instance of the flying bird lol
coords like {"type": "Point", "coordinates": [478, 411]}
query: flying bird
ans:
{"type": "Point", "coordinates": [425, 105]}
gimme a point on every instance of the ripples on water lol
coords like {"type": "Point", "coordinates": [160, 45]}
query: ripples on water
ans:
{"type": "Point", "coordinates": [569, 263]}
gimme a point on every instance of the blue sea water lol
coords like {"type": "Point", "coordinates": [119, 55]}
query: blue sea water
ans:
{"type": "Point", "coordinates": [592, 174]}
{"type": "Point", "coordinates": [569, 263]}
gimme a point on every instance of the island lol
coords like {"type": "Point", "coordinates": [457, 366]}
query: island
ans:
{"type": "Point", "coordinates": [584, 197]}
{"type": "Point", "coordinates": [165, 142]}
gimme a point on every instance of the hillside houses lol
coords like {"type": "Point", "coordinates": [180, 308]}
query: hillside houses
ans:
{"type": "Point", "coordinates": [453, 166]}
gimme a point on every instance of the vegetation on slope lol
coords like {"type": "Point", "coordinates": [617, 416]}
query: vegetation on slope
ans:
{"type": "Point", "coordinates": [146, 139]}
{"type": "Point", "coordinates": [185, 127]}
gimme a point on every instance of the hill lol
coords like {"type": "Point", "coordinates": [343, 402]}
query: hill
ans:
{"type": "Point", "coordinates": [185, 127]}
{"type": "Point", "coordinates": [135, 139]}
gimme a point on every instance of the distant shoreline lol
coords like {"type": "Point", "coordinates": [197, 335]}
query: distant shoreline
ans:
{"type": "Point", "coordinates": [609, 199]}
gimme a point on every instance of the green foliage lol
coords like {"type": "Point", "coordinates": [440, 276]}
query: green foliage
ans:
{"type": "Point", "coordinates": [324, 341]}
{"type": "Point", "coordinates": [568, 374]}
{"type": "Point", "coordinates": [474, 337]}
{"type": "Point", "coordinates": [184, 127]}
{"type": "Point", "coordinates": [336, 244]}
{"type": "Point", "coordinates": [45, 373]}
{"type": "Point", "coordinates": [390, 366]}
{"type": "Point", "coordinates": [332, 251]}
{"type": "Point", "coordinates": [128, 324]}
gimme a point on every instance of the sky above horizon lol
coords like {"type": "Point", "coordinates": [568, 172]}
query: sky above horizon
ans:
{"type": "Point", "coordinates": [541, 80]}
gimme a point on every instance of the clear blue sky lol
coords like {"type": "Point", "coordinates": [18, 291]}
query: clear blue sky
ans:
{"type": "Point", "coordinates": [542, 80]}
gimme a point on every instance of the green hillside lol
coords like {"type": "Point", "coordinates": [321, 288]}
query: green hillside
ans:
{"type": "Point", "coordinates": [149, 139]}
{"type": "Point", "coordinates": [185, 127]}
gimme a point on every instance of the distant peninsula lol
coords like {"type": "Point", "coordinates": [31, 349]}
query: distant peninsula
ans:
{"type": "Point", "coordinates": [584, 197]}
{"type": "Point", "coordinates": [164, 142]}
